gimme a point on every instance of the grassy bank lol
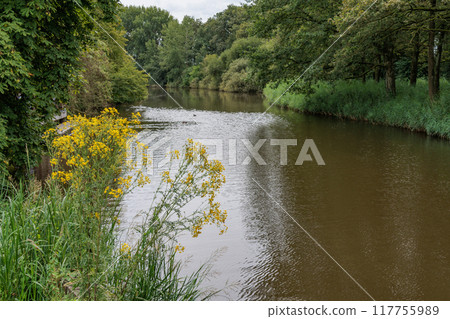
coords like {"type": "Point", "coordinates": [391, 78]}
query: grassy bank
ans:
{"type": "Point", "coordinates": [355, 100]}
{"type": "Point", "coordinates": [61, 240]}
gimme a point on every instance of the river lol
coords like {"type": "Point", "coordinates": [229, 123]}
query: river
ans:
{"type": "Point", "coordinates": [379, 206]}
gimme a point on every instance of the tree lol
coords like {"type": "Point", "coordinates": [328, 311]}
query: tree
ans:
{"type": "Point", "coordinates": [437, 27]}
{"type": "Point", "coordinates": [428, 17]}
{"type": "Point", "coordinates": [128, 84]}
{"type": "Point", "coordinates": [108, 75]}
{"type": "Point", "coordinates": [40, 43]}
{"type": "Point", "coordinates": [144, 28]}
{"type": "Point", "coordinates": [220, 31]}
{"type": "Point", "coordinates": [178, 50]}
{"type": "Point", "coordinates": [92, 91]}
{"type": "Point", "coordinates": [212, 69]}
{"type": "Point", "coordinates": [300, 30]}
{"type": "Point", "coordinates": [380, 37]}
{"type": "Point", "coordinates": [415, 54]}
{"type": "Point", "coordinates": [238, 77]}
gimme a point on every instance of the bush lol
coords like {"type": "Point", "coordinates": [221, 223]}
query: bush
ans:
{"type": "Point", "coordinates": [238, 78]}
{"type": "Point", "coordinates": [92, 91]}
{"type": "Point", "coordinates": [192, 76]}
{"type": "Point", "coordinates": [212, 68]}
{"type": "Point", "coordinates": [103, 81]}
{"type": "Point", "coordinates": [241, 48]}
{"type": "Point", "coordinates": [128, 84]}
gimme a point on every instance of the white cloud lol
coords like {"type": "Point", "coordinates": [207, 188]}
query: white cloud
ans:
{"type": "Point", "coordinates": [203, 9]}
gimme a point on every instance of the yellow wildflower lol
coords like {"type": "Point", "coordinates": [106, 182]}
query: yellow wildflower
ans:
{"type": "Point", "coordinates": [179, 248]}
{"type": "Point", "coordinates": [125, 249]}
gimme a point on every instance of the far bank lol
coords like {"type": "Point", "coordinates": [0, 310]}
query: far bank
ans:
{"type": "Point", "coordinates": [410, 108]}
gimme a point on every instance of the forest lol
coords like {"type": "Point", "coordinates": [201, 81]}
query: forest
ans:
{"type": "Point", "coordinates": [383, 62]}
{"type": "Point", "coordinates": [244, 48]}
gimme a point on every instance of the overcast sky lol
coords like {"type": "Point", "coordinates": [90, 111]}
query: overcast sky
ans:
{"type": "Point", "coordinates": [203, 9]}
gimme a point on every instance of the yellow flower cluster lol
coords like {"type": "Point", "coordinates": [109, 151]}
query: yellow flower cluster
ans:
{"type": "Point", "coordinates": [125, 249]}
{"type": "Point", "coordinates": [50, 133]}
{"type": "Point", "coordinates": [142, 148]}
{"type": "Point", "coordinates": [175, 154]}
{"type": "Point", "coordinates": [142, 179]}
{"type": "Point", "coordinates": [116, 193]}
{"type": "Point", "coordinates": [110, 110]}
{"type": "Point", "coordinates": [179, 248]}
{"type": "Point", "coordinates": [124, 182]}
{"type": "Point", "coordinates": [95, 148]}
{"type": "Point", "coordinates": [166, 177]}
{"type": "Point", "coordinates": [99, 148]}
{"type": "Point", "coordinates": [64, 177]}
{"type": "Point", "coordinates": [136, 116]}
{"type": "Point", "coordinates": [189, 179]}
{"type": "Point", "coordinates": [76, 160]}
{"type": "Point", "coordinates": [214, 216]}
{"type": "Point", "coordinates": [203, 176]}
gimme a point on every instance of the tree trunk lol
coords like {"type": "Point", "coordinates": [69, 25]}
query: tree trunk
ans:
{"type": "Point", "coordinates": [377, 72]}
{"type": "Point", "coordinates": [438, 58]}
{"type": "Point", "coordinates": [390, 72]}
{"type": "Point", "coordinates": [363, 79]}
{"type": "Point", "coordinates": [415, 60]}
{"type": "Point", "coordinates": [432, 90]}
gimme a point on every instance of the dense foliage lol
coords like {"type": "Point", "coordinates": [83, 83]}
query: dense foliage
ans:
{"type": "Point", "coordinates": [189, 53]}
{"type": "Point", "coordinates": [3, 143]}
{"type": "Point", "coordinates": [279, 40]}
{"type": "Point", "coordinates": [40, 42]}
{"type": "Point", "coordinates": [107, 75]}
{"type": "Point", "coordinates": [51, 55]}
{"type": "Point", "coordinates": [339, 44]}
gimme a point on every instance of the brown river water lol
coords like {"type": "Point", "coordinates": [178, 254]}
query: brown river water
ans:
{"type": "Point", "coordinates": [380, 206]}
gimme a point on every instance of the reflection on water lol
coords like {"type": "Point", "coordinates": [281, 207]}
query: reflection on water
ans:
{"type": "Point", "coordinates": [380, 206]}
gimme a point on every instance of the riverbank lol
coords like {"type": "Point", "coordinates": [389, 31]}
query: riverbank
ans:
{"type": "Point", "coordinates": [62, 240]}
{"type": "Point", "coordinates": [409, 109]}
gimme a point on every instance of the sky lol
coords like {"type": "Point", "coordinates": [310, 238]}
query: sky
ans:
{"type": "Point", "coordinates": [203, 9]}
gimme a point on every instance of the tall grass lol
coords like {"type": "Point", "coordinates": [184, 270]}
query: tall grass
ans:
{"type": "Point", "coordinates": [60, 242]}
{"type": "Point", "coordinates": [41, 253]}
{"type": "Point", "coordinates": [3, 144]}
{"type": "Point", "coordinates": [410, 108]}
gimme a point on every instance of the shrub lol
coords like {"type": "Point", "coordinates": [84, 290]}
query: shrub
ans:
{"type": "Point", "coordinates": [192, 76]}
{"type": "Point", "coordinates": [92, 92]}
{"type": "Point", "coordinates": [128, 84]}
{"type": "Point", "coordinates": [212, 69]}
{"type": "Point", "coordinates": [238, 78]}
{"type": "Point", "coordinates": [241, 48]}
